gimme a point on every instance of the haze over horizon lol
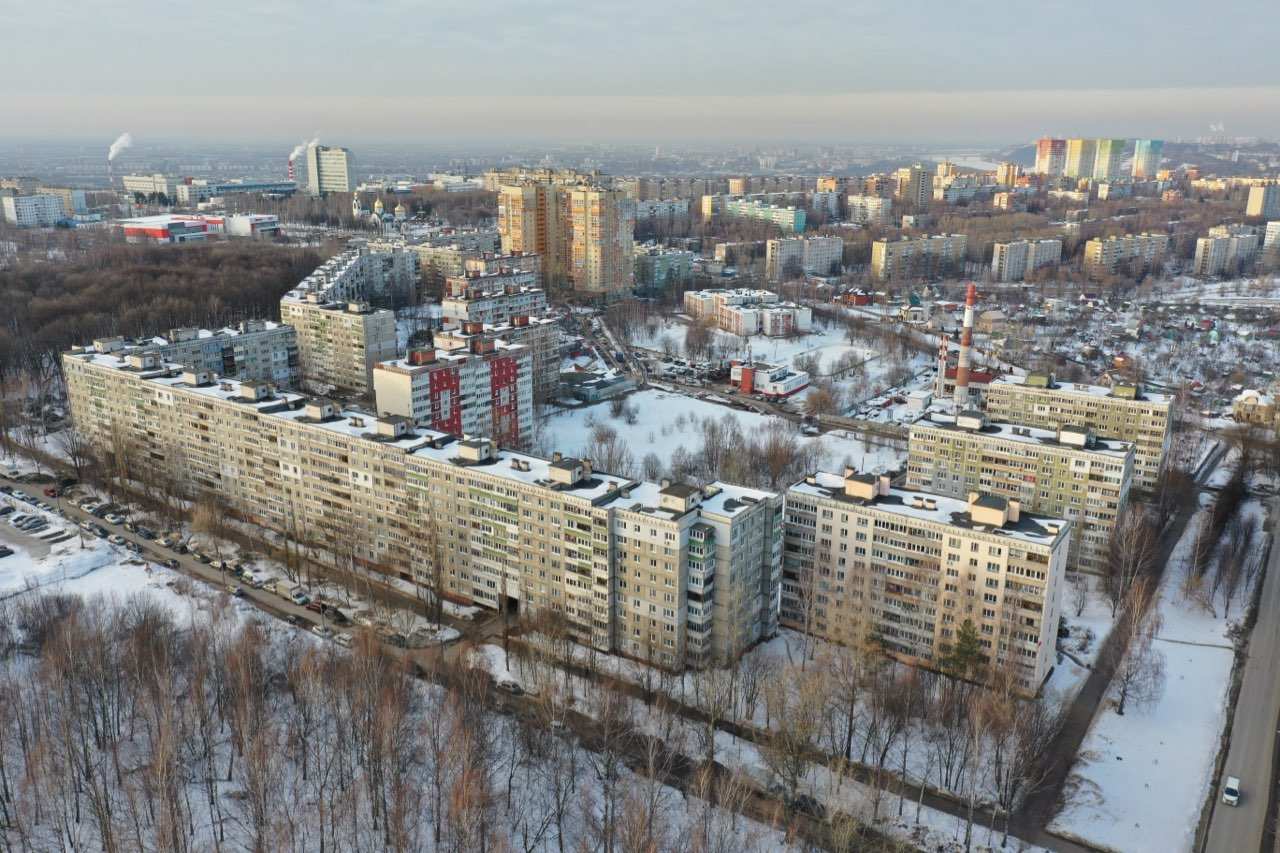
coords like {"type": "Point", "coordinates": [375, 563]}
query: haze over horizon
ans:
{"type": "Point", "coordinates": [866, 71]}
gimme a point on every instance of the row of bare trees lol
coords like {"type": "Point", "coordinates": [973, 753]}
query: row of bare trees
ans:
{"type": "Point", "coordinates": [125, 727]}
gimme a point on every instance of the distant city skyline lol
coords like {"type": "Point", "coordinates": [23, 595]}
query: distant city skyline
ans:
{"type": "Point", "coordinates": [979, 118]}
{"type": "Point", "coordinates": [744, 70]}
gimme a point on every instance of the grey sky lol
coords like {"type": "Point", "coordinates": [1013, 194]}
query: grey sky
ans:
{"type": "Point", "coordinates": [773, 69]}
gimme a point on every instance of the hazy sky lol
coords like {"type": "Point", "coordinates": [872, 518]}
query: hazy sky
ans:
{"type": "Point", "coordinates": [652, 69]}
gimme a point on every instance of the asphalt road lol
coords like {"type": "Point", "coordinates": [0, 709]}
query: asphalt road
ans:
{"type": "Point", "coordinates": [1251, 754]}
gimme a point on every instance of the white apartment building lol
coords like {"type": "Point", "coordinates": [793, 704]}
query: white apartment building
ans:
{"type": "Point", "coordinates": [32, 211]}
{"type": "Point", "coordinates": [1226, 251]}
{"type": "Point", "coordinates": [818, 255]}
{"type": "Point", "coordinates": [492, 298]}
{"type": "Point", "coordinates": [870, 209]}
{"type": "Point", "coordinates": [330, 170]}
{"type": "Point", "coordinates": [150, 185]}
{"type": "Point", "coordinates": [1124, 412]}
{"type": "Point", "coordinates": [1012, 261]}
{"type": "Point", "coordinates": [1065, 473]}
{"type": "Point", "coordinates": [865, 563]}
{"type": "Point", "coordinates": [749, 312]}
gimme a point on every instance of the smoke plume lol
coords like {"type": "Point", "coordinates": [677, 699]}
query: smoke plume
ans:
{"type": "Point", "coordinates": [301, 148]}
{"type": "Point", "coordinates": [122, 142]}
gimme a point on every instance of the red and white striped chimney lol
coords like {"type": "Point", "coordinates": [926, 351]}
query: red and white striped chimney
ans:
{"type": "Point", "coordinates": [966, 341]}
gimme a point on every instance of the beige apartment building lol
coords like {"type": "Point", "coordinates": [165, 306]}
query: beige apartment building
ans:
{"type": "Point", "coordinates": [1125, 412]}
{"type": "Point", "coordinates": [503, 529]}
{"type": "Point", "coordinates": [794, 255]}
{"type": "Point", "coordinates": [340, 342]}
{"type": "Point", "coordinates": [1065, 473]}
{"type": "Point", "coordinates": [1144, 252]}
{"type": "Point", "coordinates": [869, 565]}
{"type": "Point", "coordinates": [918, 256]}
{"type": "Point", "coordinates": [582, 233]}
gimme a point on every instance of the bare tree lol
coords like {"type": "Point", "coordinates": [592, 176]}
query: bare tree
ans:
{"type": "Point", "coordinates": [1131, 554]}
{"type": "Point", "coordinates": [1139, 677]}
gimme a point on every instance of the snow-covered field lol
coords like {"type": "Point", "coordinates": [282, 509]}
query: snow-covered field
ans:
{"type": "Point", "coordinates": [666, 421]}
{"type": "Point", "coordinates": [1141, 778]}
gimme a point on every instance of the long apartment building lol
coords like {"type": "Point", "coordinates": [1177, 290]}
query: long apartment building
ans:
{"type": "Point", "coordinates": [918, 256]}
{"type": "Point", "coordinates": [659, 571]}
{"type": "Point", "coordinates": [866, 564]}
{"type": "Point", "coordinates": [485, 389]}
{"type": "Point", "coordinates": [539, 335]}
{"type": "Point", "coordinates": [748, 312]}
{"type": "Point", "coordinates": [1125, 412]}
{"type": "Point", "coordinates": [790, 219]}
{"type": "Point", "coordinates": [253, 350]}
{"type": "Point", "coordinates": [791, 256]}
{"type": "Point", "coordinates": [1141, 252]}
{"type": "Point", "coordinates": [1064, 473]}
{"type": "Point", "coordinates": [1012, 261]}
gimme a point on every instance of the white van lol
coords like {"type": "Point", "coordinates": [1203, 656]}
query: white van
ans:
{"type": "Point", "coordinates": [1231, 791]}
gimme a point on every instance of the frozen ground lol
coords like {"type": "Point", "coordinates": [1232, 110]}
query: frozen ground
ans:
{"type": "Point", "coordinates": [1078, 652]}
{"type": "Point", "coordinates": [665, 421]}
{"type": "Point", "coordinates": [1141, 778]}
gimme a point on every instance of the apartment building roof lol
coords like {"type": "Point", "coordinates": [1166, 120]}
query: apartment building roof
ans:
{"type": "Point", "coordinates": [1077, 438]}
{"type": "Point", "coordinates": [719, 499]}
{"type": "Point", "coordinates": [1046, 381]}
{"type": "Point", "coordinates": [939, 509]}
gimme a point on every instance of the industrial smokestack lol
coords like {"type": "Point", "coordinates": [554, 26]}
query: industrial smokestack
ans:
{"type": "Point", "coordinates": [940, 386]}
{"type": "Point", "coordinates": [966, 342]}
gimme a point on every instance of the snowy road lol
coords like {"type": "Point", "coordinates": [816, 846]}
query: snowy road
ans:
{"type": "Point", "coordinates": [1253, 735]}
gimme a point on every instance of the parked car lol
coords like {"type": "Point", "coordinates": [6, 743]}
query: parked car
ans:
{"type": "Point", "coordinates": [510, 687]}
{"type": "Point", "coordinates": [170, 563]}
{"type": "Point", "coordinates": [6, 509]}
{"type": "Point", "coordinates": [113, 518]}
{"type": "Point", "coordinates": [300, 599]}
{"type": "Point", "coordinates": [201, 557]}
{"type": "Point", "coordinates": [238, 591]}
{"type": "Point", "coordinates": [145, 532]}
{"type": "Point", "coordinates": [1231, 791]}
{"type": "Point", "coordinates": [100, 532]}
{"type": "Point", "coordinates": [321, 631]}
{"type": "Point", "coordinates": [39, 527]}
{"type": "Point", "coordinates": [293, 619]}
{"type": "Point", "coordinates": [314, 606]}
{"type": "Point", "coordinates": [809, 805]}
{"type": "Point", "coordinates": [51, 492]}
{"type": "Point", "coordinates": [5, 551]}
{"type": "Point", "coordinates": [116, 539]}
{"type": "Point", "coordinates": [343, 640]}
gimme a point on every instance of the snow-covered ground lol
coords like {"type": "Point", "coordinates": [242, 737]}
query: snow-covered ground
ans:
{"type": "Point", "coordinates": [1141, 779]}
{"type": "Point", "coordinates": [665, 421]}
{"type": "Point", "coordinates": [1078, 652]}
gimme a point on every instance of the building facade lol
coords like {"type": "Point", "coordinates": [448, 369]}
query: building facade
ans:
{"type": "Point", "coordinates": [1065, 473]}
{"type": "Point", "coordinates": [791, 256]}
{"type": "Point", "coordinates": [32, 211]}
{"type": "Point", "coordinates": [330, 170]}
{"type": "Point", "coordinates": [1106, 161]}
{"type": "Point", "coordinates": [539, 335]}
{"type": "Point", "coordinates": [252, 351]}
{"type": "Point", "coordinates": [657, 571]}
{"type": "Point", "coordinates": [1139, 252]}
{"type": "Point", "coordinates": [1051, 157]}
{"type": "Point", "coordinates": [1125, 412]}
{"type": "Point", "coordinates": [873, 566]}
{"type": "Point", "coordinates": [790, 219]}
{"type": "Point", "coordinates": [918, 256]}
{"type": "Point", "coordinates": [1264, 201]}
{"type": "Point", "coordinates": [1147, 154]}
{"type": "Point", "coordinates": [1012, 261]}
{"type": "Point", "coordinates": [1228, 250]}
{"type": "Point", "coordinates": [870, 209]}
{"type": "Point", "coordinates": [484, 390]}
